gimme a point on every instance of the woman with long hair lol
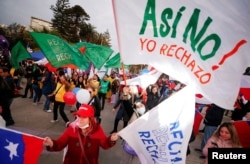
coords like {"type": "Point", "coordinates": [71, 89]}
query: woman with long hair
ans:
{"type": "Point", "coordinates": [95, 83]}
{"type": "Point", "coordinates": [62, 87]}
{"type": "Point", "coordinates": [125, 108]}
{"type": "Point", "coordinates": [85, 80]}
{"type": "Point", "coordinates": [153, 97]}
{"type": "Point", "coordinates": [129, 156]}
{"type": "Point", "coordinates": [95, 102]}
{"type": "Point", "coordinates": [224, 137]}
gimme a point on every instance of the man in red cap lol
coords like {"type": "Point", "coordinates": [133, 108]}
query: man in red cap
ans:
{"type": "Point", "coordinates": [83, 138]}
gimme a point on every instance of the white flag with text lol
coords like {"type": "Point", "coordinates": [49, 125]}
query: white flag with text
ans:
{"type": "Point", "coordinates": [162, 134]}
{"type": "Point", "coordinates": [200, 42]}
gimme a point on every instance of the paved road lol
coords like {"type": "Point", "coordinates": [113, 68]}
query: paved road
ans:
{"type": "Point", "coordinates": [32, 119]}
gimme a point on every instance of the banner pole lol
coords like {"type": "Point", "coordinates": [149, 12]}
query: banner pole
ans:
{"type": "Point", "coordinates": [124, 75]}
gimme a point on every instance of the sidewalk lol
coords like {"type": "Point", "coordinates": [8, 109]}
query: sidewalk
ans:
{"type": "Point", "coordinates": [32, 119]}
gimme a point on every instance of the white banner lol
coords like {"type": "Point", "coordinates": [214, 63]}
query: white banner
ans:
{"type": "Point", "coordinates": [144, 80]}
{"type": "Point", "coordinates": [162, 134]}
{"type": "Point", "coordinates": [244, 90]}
{"type": "Point", "coordinates": [205, 43]}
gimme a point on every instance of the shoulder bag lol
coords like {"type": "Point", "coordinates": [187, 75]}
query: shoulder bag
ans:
{"type": "Point", "coordinates": [82, 148]}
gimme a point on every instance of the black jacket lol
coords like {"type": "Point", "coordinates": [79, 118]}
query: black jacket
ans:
{"type": "Point", "coordinates": [214, 115]}
{"type": "Point", "coordinates": [95, 102]}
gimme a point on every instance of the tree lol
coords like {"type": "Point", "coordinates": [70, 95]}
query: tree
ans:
{"type": "Point", "coordinates": [59, 22]}
{"type": "Point", "coordinates": [103, 39]}
{"type": "Point", "coordinates": [87, 31]}
{"type": "Point", "coordinates": [76, 16]}
{"type": "Point", "coordinates": [69, 20]}
{"type": "Point", "coordinates": [16, 32]}
{"type": "Point", "coordinates": [92, 36]}
{"type": "Point", "coordinates": [72, 24]}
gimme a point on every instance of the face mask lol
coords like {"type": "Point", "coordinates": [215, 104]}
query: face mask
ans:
{"type": "Point", "coordinates": [141, 110]}
{"type": "Point", "coordinates": [244, 119]}
{"type": "Point", "coordinates": [82, 127]}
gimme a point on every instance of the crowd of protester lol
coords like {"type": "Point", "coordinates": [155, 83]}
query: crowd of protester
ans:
{"type": "Point", "coordinates": [107, 89]}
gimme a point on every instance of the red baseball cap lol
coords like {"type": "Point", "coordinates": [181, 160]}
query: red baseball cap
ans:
{"type": "Point", "coordinates": [85, 111]}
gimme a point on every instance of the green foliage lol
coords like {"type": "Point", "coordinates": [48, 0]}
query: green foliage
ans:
{"type": "Point", "coordinates": [16, 32]}
{"type": "Point", "coordinates": [60, 21]}
{"type": "Point", "coordinates": [72, 24]}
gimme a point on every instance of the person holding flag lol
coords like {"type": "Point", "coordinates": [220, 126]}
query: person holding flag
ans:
{"type": "Point", "coordinates": [153, 97]}
{"type": "Point", "coordinates": [139, 110]}
{"type": "Point", "coordinates": [83, 138]}
{"type": "Point", "coordinates": [242, 106]}
{"type": "Point", "coordinates": [125, 105]}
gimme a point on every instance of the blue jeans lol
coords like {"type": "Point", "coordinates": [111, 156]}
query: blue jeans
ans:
{"type": "Point", "coordinates": [47, 102]}
{"type": "Point", "coordinates": [38, 93]}
{"type": "Point", "coordinates": [208, 132]}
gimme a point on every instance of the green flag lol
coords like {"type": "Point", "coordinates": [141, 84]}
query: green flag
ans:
{"type": "Point", "coordinates": [58, 52]}
{"type": "Point", "coordinates": [18, 53]}
{"type": "Point", "coordinates": [98, 55]}
{"type": "Point", "coordinates": [114, 62]}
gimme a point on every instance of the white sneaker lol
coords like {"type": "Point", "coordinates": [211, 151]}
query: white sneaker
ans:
{"type": "Point", "coordinates": [49, 111]}
{"type": "Point", "coordinates": [53, 121]}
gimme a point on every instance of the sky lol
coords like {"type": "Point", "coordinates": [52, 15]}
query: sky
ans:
{"type": "Point", "coordinates": [20, 11]}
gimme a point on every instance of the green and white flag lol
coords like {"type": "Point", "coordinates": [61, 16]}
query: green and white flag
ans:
{"type": "Point", "coordinates": [58, 52]}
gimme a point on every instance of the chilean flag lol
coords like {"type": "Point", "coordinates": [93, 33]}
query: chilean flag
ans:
{"type": "Point", "coordinates": [197, 122]}
{"type": "Point", "coordinates": [46, 63]}
{"type": "Point", "coordinates": [245, 86]}
{"type": "Point", "coordinates": [19, 148]}
{"type": "Point", "coordinates": [243, 130]}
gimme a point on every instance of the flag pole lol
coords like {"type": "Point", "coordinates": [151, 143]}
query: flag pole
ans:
{"type": "Point", "coordinates": [124, 75]}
